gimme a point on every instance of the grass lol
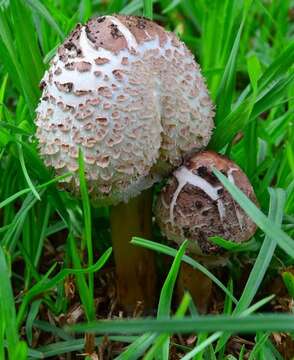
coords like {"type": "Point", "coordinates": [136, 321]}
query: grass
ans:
{"type": "Point", "coordinates": [55, 250]}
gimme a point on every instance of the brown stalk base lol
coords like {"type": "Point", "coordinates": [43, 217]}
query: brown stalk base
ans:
{"type": "Point", "coordinates": [89, 343]}
{"type": "Point", "coordinates": [135, 266]}
{"type": "Point", "coordinates": [198, 285]}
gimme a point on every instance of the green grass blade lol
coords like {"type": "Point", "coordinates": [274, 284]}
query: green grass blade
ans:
{"type": "Point", "coordinates": [251, 245]}
{"type": "Point", "coordinates": [65, 347]}
{"type": "Point", "coordinates": [25, 173]}
{"type": "Point", "coordinates": [42, 235]}
{"type": "Point", "coordinates": [42, 10]}
{"type": "Point", "coordinates": [114, 6]}
{"type": "Point", "coordinates": [48, 284]}
{"type": "Point", "coordinates": [87, 219]}
{"type": "Point", "coordinates": [172, 252]}
{"type": "Point", "coordinates": [201, 346]}
{"type": "Point", "coordinates": [225, 90]}
{"type": "Point", "coordinates": [138, 347]}
{"type": "Point", "coordinates": [132, 7]}
{"type": "Point", "coordinates": [258, 346]}
{"type": "Point", "coordinates": [288, 279]}
{"type": "Point", "coordinates": [13, 233]}
{"type": "Point", "coordinates": [148, 9]}
{"type": "Point", "coordinates": [52, 329]}
{"type": "Point", "coordinates": [160, 349]}
{"type": "Point", "coordinates": [27, 190]}
{"type": "Point", "coordinates": [165, 299]}
{"type": "Point", "coordinates": [263, 259]}
{"type": "Point", "coordinates": [273, 231]}
{"type": "Point", "coordinates": [164, 306]}
{"type": "Point", "coordinates": [30, 319]}
{"type": "Point", "coordinates": [209, 323]}
{"type": "Point", "coordinates": [85, 295]}
{"type": "Point", "coordinates": [7, 308]}
{"type": "Point", "coordinates": [171, 6]}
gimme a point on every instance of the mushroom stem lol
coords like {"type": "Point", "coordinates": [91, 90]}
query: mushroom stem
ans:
{"type": "Point", "coordinates": [135, 266]}
{"type": "Point", "coordinates": [197, 284]}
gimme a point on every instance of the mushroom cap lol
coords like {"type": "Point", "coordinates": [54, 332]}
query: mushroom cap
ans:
{"type": "Point", "coordinates": [131, 96]}
{"type": "Point", "coordinates": [194, 205]}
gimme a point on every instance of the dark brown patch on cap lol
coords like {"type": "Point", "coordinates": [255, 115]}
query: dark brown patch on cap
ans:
{"type": "Point", "coordinates": [70, 66]}
{"type": "Point", "coordinates": [103, 33]}
{"type": "Point", "coordinates": [142, 28]}
{"type": "Point", "coordinates": [65, 87]}
{"type": "Point", "coordinates": [71, 45]}
{"type": "Point", "coordinates": [100, 19]}
{"type": "Point", "coordinates": [114, 31]}
{"type": "Point", "coordinates": [42, 85]}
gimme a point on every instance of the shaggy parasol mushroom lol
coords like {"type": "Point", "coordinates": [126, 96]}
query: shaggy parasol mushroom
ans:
{"type": "Point", "coordinates": [131, 96]}
{"type": "Point", "coordinates": [194, 205]}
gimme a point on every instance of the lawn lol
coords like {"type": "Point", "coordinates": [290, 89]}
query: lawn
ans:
{"type": "Point", "coordinates": [58, 292]}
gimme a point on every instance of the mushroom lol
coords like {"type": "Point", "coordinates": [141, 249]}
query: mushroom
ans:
{"type": "Point", "coordinates": [194, 205]}
{"type": "Point", "coordinates": [131, 96]}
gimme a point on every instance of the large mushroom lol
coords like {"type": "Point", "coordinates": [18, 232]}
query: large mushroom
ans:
{"type": "Point", "coordinates": [131, 96]}
{"type": "Point", "coordinates": [194, 205]}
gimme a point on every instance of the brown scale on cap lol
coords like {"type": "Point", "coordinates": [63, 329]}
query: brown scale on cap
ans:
{"type": "Point", "coordinates": [195, 206]}
{"type": "Point", "coordinates": [71, 46]}
{"type": "Point", "coordinates": [147, 86]}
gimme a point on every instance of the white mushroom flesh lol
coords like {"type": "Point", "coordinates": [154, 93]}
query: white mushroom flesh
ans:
{"type": "Point", "coordinates": [185, 177]}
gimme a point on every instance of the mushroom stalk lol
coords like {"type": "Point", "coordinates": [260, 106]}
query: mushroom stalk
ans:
{"type": "Point", "coordinates": [135, 266]}
{"type": "Point", "coordinates": [197, 284]}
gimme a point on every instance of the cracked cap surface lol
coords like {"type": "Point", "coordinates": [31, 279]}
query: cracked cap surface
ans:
{"type": "Point", "coordinates": [131, 96]}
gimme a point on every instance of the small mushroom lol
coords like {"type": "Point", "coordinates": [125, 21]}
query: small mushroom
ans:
{"type": "Point", "coordinates": [194, 205]}
{"type": "Point", "coordinates": [132, 97]}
